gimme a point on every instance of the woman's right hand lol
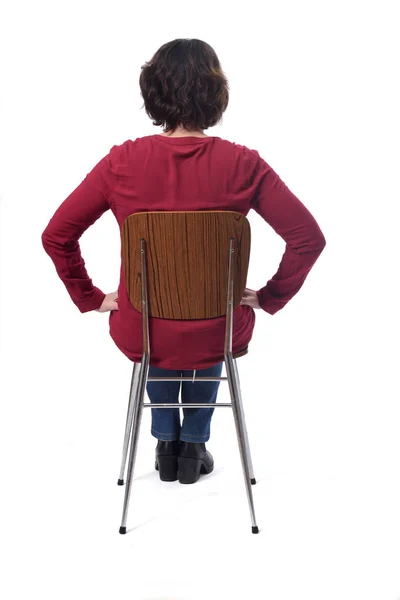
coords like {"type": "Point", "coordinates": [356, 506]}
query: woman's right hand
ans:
{"type": "Point", "coordinates": [109, 303]}
{"type": "Point", "coordinates": [250, 298]}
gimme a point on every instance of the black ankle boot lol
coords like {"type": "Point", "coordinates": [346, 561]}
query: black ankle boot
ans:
{"type": "Point", "coordinates": [167, 460]}
{"type": "Point", "coordinates": [193, 460]}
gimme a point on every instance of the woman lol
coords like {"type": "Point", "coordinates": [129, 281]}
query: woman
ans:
{"type": "Point", "coordinates": [182, 169]}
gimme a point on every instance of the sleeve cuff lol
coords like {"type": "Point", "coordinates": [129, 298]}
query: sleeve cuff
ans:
{"type": "Point", "coordinates": [268, 303]}
{"type": "Point", "coordinates": [93, 302]}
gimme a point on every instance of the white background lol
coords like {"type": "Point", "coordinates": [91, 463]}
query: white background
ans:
{"type": "Point", "coordinates": [314, 90]}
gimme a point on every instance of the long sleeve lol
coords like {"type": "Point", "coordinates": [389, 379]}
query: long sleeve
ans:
{"type": "Point", "coordinates": [60, 238]}
{"type": "Point", "coordinates": [291, 220]}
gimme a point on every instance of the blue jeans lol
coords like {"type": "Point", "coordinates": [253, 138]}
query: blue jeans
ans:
{"type": "Point", "coordinates": [166, 423]}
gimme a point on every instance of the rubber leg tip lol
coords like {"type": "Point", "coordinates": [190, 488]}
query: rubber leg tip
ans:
{"type": "Point", "coordinates": [120, 482]}
{"type": "Point", "coordinates": [254, 529]}
{"type": "Point", "coordinates": [253, 481]}
{"type": "Point", "coordinates": [122, 530]}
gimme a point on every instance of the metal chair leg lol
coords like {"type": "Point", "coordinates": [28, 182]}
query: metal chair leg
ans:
{"type": "Point", "coordinates": [233, 387]}
{"type": "Point", "coordinates": [246, 436]}
{"type": "Point", "coordinates": [129, 419]}
{"type": "Point", "coordinates": [138, 411]}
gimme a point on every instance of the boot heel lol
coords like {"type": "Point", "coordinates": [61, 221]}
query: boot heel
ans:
{"type": "Point", "coordinates": [168, 467]}
{"type": "Point", "coordinates": [189, 469]}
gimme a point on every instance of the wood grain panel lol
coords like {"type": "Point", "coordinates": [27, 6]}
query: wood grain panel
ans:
{"type": "Point", "coordinates": [187, 261]}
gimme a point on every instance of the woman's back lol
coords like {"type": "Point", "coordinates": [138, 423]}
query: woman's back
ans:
{"type": "Point", "coordinates": [179, 173]}
{"type": "Point", "coordinates": [160, 173]}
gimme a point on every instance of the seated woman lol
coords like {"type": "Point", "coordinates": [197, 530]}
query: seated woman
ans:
{"type": "Point", "coordinates": [182, 169]}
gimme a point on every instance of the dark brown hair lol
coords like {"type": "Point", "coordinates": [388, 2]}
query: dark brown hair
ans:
{"type": "Point", "coordinates": [184, 85]}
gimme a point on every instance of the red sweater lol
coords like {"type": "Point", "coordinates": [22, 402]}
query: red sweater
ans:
{"type": "Point", "coordinates": [159, 173]}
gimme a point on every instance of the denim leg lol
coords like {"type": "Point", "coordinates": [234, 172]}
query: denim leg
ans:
{"type": "Point", "coordinates": [196, 422]}
{"type": "Point", "coordinates": [165, 422]}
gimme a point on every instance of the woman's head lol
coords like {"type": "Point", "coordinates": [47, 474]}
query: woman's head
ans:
{"type": "Point", "coordinates": [183, 85]}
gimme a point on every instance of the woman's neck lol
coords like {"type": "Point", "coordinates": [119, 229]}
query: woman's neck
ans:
{"type": "Point", "coordinates": [181, 132]}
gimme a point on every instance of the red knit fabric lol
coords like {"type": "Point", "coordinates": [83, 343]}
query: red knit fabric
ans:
{"type": "Point", "coordinates": [159, 173]}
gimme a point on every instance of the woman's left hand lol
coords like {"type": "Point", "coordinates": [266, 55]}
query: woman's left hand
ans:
{"type": "Point", "coordinates": [109, 303]}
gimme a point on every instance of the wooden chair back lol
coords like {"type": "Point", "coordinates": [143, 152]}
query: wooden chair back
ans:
{"type": "Point", "coordinates": [187, 255]}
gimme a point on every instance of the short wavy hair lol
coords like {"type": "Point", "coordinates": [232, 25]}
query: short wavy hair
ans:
{"type": "Point", "coordinates": [184, 85]}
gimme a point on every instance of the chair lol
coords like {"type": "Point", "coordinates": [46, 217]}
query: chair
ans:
{"type": "Point", "coordinates": [185, 265]}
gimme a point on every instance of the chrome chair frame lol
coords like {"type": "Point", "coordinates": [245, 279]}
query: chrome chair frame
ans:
{"type": "Point", "coordinates": [138, 387]}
